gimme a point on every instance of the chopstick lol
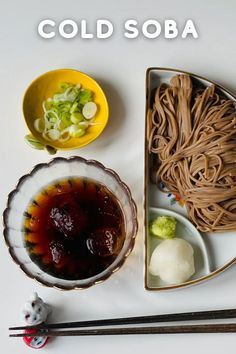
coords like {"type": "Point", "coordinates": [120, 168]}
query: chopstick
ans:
{"type": "Point", "coordinates": [207, 328]}
{"type": "Point", "coordinates": [185, 316]}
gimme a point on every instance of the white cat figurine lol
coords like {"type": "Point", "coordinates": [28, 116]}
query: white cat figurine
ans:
{"type": "Point", "coordinates": [35, 311]}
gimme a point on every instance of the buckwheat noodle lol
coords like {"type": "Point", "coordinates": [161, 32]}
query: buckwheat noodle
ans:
{"type": "Point", "coordinates": [192, 136]}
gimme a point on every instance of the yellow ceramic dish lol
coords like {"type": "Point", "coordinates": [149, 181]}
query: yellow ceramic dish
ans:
{"type": "Point", "coordinates": [45, 86]}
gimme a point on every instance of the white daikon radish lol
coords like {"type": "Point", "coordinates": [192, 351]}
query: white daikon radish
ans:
{"type": "Point", "coordinates": [173, 261]}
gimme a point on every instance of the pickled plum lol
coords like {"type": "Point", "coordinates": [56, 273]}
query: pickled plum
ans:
{"type": "Point", "coordinates": [79, 230]}
{"type": "Point", "coordinates": [103, 242]}
{"type": "Point", "coordinates": [58, 252]}
{"type": "Point", "coordinates": [68, 217]}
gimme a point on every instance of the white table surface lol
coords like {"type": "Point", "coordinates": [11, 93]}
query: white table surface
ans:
{"type": "Point", "coordinates": [119, 65]}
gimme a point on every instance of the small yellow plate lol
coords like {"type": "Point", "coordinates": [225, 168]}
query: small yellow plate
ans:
{"type": "Point", "coordinates": [45, 86]}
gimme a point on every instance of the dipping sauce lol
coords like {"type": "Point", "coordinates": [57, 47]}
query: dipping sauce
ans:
{"type": "Point", "coordinates": [74, 228]}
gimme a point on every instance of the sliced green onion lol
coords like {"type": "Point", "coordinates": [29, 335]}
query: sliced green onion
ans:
{"type": "Point", "coordinates": [89, 110]}
{"type": "Point", "coordinates": [66, 113]}
{"type": "Point", "coordinates": [75, 131]}
{"type": "Point", "coordinates": [84, 125]}
{"type": "Point", "coordinates": [78, 133]}
{"type": "Point", "coordinates": [39, 125]}
{"type": "Point", "coordinates": [70, 94]}
{"type": "Point", "coordinates": [85, 96]}
{"type": "Point", "coordinates": [74, 107]}
{"type": "Point", "coordinates": [33, 142]}
{"type": "Point", "coordinates": [76, 117]}
{"type": "Point", "coordinates": [64, 86]}
{"type": "Point", "coordinates": [72, 129]}
{"type": "Point", "coordinates": [54, 134]}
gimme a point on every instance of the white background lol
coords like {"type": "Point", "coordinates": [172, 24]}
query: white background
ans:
{"type": "Point", "coordinates": [119, 65]}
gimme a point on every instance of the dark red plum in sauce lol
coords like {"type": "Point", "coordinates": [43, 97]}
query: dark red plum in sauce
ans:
{"type": "Point", "coordinates": [67, 216]}
{"type": "Point", "coordinates": [74, 229]}
{"type": "Point", "coordinates": [103, 242]}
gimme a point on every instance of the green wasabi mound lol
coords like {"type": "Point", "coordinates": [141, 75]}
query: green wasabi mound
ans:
{"type": "Point", "coordinates": [163, 227]}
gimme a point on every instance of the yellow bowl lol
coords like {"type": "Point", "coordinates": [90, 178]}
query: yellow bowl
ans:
{"type": "Point", "coordinates": [45, 86]}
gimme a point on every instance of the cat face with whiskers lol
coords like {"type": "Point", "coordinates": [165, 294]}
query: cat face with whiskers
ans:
{"type": "Point", "coordinates": [35, 310]}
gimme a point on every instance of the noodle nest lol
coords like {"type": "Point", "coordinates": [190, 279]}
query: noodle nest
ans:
{"type": "Point", "coordinates": [192, 138]}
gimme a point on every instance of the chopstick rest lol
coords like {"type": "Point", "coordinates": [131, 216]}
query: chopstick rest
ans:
{"type": "Point", "coordinates": [35, 312]}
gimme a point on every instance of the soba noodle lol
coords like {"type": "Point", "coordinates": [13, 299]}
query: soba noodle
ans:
{"type": "Point", "coordinates": [192, 133]}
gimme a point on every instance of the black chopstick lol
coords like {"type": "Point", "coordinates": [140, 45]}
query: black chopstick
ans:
{"type": "Point", "coordinates": [207, 328]}
{"type": "Point", "coordinates": [185, 316]}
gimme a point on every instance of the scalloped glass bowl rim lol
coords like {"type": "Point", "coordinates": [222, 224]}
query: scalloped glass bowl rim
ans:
{"type": "Point", "coordinates": [18, 201]}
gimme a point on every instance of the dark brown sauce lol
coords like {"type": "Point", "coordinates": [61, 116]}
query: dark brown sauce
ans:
{"type": "Point", "coordinates": [74, 229]}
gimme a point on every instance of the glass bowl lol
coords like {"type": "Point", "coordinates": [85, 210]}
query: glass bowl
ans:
{"type": "Point", "coordinates": [43, 175]}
